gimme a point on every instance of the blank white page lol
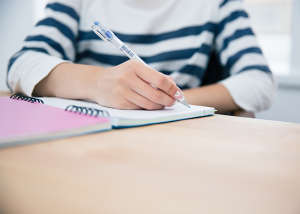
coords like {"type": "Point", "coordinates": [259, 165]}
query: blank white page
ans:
{"type": "Point", "coordinates": [176, 110]}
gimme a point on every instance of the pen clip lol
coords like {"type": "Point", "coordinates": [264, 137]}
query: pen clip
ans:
{"type": "Point", "coordinates": [98, 32]}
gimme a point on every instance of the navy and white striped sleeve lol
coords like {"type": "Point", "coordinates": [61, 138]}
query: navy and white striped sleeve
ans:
{"type": "Point", "coordinates": [251, 83]}
{"type": "Point", "coordinates": [51, 42]}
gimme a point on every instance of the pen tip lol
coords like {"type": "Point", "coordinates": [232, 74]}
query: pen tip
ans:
{"type": "Point", "coordinates": [185, 103]}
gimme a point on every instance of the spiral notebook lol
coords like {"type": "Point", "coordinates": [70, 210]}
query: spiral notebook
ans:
{"type": "Point", "coordinates": [132, 118]}
{"type": "Point", "coordinates": [26, 120]}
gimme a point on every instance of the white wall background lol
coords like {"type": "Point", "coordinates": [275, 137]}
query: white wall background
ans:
{"type": "Point", "coordinates": [39, 9]}
{"type": "Point", "coordinates": [286, 107]}
{"type": "Point", "coordinates": [16, 19]}
{"type": "Point", "coordinates": [276, 42]}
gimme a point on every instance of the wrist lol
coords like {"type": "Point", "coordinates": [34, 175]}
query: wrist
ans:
{"type": "Point", "coordinates": [92, 83]}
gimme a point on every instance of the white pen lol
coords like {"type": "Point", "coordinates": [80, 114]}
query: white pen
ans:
{"type": "Point", "coordinates": [109, 37]}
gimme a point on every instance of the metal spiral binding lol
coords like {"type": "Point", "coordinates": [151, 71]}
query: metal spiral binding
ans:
{"type": "Point", "coordinates": [87, 111]}
{"type": "Point", "coordinates": [26, 98]}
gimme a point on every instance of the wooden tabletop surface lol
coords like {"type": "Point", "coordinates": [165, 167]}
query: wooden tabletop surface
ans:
{"type": "Point", "coordinates": [217, 164]}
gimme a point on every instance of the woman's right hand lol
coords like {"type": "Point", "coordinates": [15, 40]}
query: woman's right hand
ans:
{"type": "Point", "coordinates": [127, 86]}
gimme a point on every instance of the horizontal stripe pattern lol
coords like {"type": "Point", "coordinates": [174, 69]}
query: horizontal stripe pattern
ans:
{"type": "Point", "coordinates": [238, 34]}
{"type": "Point", "coordinates": [185, 80]}
{"type": "Point", "coordinates": [233, 59]}
{"type": "Point", "coordinates": [229, 8]}
{"type": "Point", "coordinates": [226, 1]}
{"type": "Point", "coordinates": [167, 56]}
{"type": "Point", "coordinates": [248, 60]}
{"type": "Point", "coordinates": [45, 46]}
{"type": "Point", "coordinates": [44, 37]}
{"type": "Point", "coordinates": [145, 50]}
{"type": "Point", "coordinates": [256, 67]}
{"type": "Point", "coordinates": [237, 45]}
{"type": "Point", "coordinates": [230, 28]}
{"type": "Point", "coordinates": [24, 49]}
{"type": "Point", "coordinates": [233, 16]}
{"type": "Point", "coordinates": [183, 51]}
{"type": "Point", "coordinates": [55, 35]}
{"type": "Point", "coordinates": [151, 39]}
{"type": "Point", "coordinates": [55, 45]}
{"type": "Point", "coordinates": [190, 69]}
{"type": "Point", "coordinates": [61, 27]}
{"type": "Point", "coordinates": [65, 9]}
{"type": "Point", "coordinates": [64, 19]}
{"type": "Point", "coordinates": [198, 59]}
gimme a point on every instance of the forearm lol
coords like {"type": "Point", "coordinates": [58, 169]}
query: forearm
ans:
{"type": "Point", "coordinates": [215, 95]}
{"type": "Point", "coordinates": [72, 81]}
{"type": "Point", "coordinates": [122, 87]}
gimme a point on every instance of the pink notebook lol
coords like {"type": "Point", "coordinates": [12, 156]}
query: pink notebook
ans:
{"type": "Point", "coordinates": [24, 122]}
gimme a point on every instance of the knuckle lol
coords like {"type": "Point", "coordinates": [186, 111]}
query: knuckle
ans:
{"type": "Point", "coordinates": [117, 91]}
{"type": "Point", "coordinates": [123, 77]}
{"type": "Point", "coordinates": [170, 103]}
{"type": "Point", "coordinates": [131, 65]}
{"type": "Point", "coordinates": [156, 95]}
{"type": "Point", "coordinates": [161, 80]}
{"type": "Point", "coordinates": [121, 104]}
{"type": "Point", "coordinates": [150, 105]}
{"type": "Point", "coordinates": [171, 88]}
{"type": "Point", "coordinates": [120, 80]}
{"type": "Point", "coordinates": [170, 78]}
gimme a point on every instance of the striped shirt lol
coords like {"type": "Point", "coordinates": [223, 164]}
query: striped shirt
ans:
{"type": "Point", "coordinates": [175, 37]}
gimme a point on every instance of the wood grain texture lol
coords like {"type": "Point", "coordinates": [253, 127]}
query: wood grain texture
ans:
{"type": "Point", "coordinates": [216, 164]}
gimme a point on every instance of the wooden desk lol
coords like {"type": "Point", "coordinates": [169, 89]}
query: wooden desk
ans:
{"type": "Point", "coordinates": [217, 164]}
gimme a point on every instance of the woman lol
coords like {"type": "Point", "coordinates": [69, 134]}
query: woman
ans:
{"type": "Point", "coordinates": [62, 57]}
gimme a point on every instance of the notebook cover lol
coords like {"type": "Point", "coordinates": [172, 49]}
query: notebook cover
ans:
{"type": "Point", "coordinates": [19, 118]}
{"type": "Point", "coordinates": [134, 118]}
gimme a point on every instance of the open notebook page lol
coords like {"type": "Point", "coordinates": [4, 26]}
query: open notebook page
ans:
{"type": "Point", "coordinates": [124, 118]}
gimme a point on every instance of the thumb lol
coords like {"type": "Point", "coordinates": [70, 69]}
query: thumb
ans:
{"type": "Point", "coordinates": [171, 79]}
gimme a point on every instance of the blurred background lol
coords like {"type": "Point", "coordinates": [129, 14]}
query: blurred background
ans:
{"type": "Point", "coordinates": [275, 22]}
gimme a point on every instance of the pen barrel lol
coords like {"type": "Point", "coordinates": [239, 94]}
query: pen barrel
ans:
{"type": "Point", "coordinates": [138, 59]}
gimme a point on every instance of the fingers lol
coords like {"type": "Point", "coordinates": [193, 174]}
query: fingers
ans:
{"type": "Point", "coordinates": [127, 105]}
{"type": "Point", "coordinates": [143, 102]}
{"type": "Point", "coordinates": [128, 87]}
{"type": "Point", "coordinates": [120, 102]}
{"type": "Point", "coordinates": [152, 94]}
{"type": "Point", "coordinates": [157, 79]}
{"type": "Point", "coordinates": [170, 78]}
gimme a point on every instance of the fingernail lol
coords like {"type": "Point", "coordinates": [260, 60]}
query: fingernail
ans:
{"type": "Point", "coordinates": [178, 95]}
